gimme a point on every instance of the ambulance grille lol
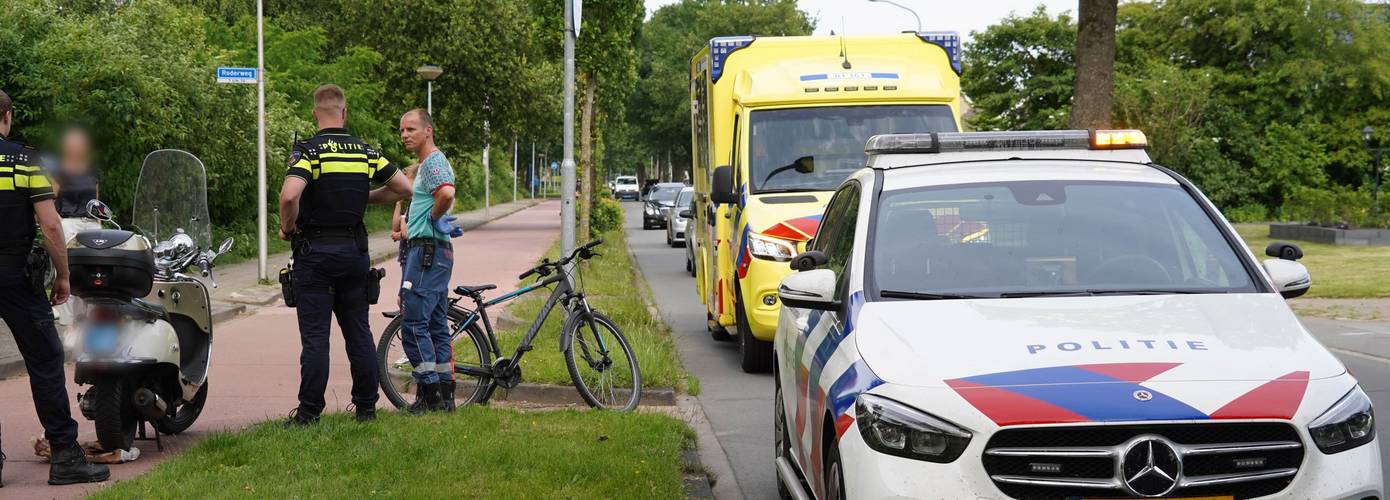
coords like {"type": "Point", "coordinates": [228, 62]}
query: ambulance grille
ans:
{"type": "Point", "coordinates": [1244, 460]}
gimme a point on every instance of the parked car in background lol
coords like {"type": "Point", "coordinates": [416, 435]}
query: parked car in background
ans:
{"type": "Point", "coordinates": [690, 242]}
{"type": "Point", "coordinates": [675, 224]}
{"type": "Point", "coordinates": [625, 188]}
{"type": "Point", "coordinates": [1051, 315]}
{"type": "Point", "coordinates": [662, 197]}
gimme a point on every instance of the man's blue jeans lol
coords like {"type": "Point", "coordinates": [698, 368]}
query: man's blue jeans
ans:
{"type": "Point", "coordinates": [425, 306]}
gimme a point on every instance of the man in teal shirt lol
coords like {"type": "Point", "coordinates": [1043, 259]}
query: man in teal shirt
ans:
{"type": "Point", "coordinates": [429, 263]}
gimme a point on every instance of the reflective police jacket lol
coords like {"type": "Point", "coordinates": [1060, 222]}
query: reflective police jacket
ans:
{"type": "Point", "coordinates": [339, 170]}
{"type": "Point", "coordinates": [22, 184]}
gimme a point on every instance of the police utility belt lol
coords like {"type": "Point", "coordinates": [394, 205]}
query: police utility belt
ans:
{"type": "Point", "coordinates": [36, 268]}
{"type": "Point", "coordinates": [305, 239]}
{"type": "Point", "coordinates": [428, 246]}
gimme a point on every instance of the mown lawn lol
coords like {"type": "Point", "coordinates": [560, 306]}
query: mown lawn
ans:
{"type": "Point", "coordinates": [611, 284]}
{"type": "Point", "coordinates": [478, 452]}
{"type": "Point", "coordinates": [1339, 271]}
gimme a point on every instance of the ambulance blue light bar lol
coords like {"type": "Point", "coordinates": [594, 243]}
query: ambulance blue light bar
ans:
{"type": "Point", "coordinates": [719, 50]}
{"type": "Point", "coordinates": [955, 142]}
{"type": "Point", "coordinates": [948, 40]}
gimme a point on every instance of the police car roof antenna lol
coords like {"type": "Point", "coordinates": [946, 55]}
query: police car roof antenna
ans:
{"type": "Point", "coordinates": [844, 53]}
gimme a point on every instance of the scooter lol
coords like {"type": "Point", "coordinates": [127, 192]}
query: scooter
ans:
{"type": "Point", "coordinates": [146, 333]}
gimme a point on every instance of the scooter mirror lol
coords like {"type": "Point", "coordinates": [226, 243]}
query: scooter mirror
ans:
{"type": "Point", "coordinates": [99, 211]}
{"type": "Point", "coordinates": [225, 246]}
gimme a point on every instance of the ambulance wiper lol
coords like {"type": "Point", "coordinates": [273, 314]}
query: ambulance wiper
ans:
{"type": "Point", "coordinates": [900, 294]}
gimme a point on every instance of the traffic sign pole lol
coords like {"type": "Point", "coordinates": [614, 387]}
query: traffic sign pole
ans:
{"type": "Point", "coordinates": [567, 216]}
{"type": "Point", "coordinates": [260, 140]}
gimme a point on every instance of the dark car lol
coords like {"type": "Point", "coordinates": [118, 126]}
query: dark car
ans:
{"type": "Point", "coordinates": [663, 197]}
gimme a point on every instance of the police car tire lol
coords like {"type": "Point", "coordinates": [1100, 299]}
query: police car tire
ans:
{"type": "Point", "coordinates": [781, 443]}
{"type": "Point", "coordinates": [834, 470]}
{"type": "Point", "coordinates": [755, 356]}
{"type": "Point", "coordinates": [115, 420]}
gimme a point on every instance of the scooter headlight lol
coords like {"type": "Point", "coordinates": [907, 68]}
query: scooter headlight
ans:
{"type": "Point", "coordinates": [1346, 425]}
{"type": "Point", "coordinates": [897, 429]}
{"type": "Point", "coordinates": [770, 248]}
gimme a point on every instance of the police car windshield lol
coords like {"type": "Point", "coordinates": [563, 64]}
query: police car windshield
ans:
{"type": "Point", "coordinates": [832, 137]}
{"type": "Point", "coordinates": [1022, 239]}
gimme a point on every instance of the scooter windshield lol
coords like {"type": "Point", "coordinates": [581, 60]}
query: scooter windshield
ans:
{"type": "Point", "coordinates": [171, 197]}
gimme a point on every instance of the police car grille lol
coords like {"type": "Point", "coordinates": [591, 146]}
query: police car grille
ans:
{"type": "Point", "coordinates": [1244, 460]}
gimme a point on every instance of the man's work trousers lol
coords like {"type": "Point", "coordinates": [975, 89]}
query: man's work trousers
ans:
{"type": "Point", "coordinates": [425, 304]}
{"type": "Point", "coordinates": [30, 319]}
{"type": "Point", "coordinates": [331, 279]}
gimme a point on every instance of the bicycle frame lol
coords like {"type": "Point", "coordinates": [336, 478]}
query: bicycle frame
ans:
{"type": "Point", "coordinates": [564, 291]}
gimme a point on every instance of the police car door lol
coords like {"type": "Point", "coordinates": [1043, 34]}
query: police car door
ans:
{"type": "Point", "coordinates": [817, 347]}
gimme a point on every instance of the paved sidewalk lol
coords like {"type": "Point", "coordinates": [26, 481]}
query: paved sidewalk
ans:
{"type": "Point", "coordinates": [236, 282]}
{"type": "Point", "coordinates": [255, 367]}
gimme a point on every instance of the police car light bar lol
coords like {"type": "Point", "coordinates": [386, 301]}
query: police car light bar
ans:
{"type": "Point", "coordinates": [954, 142]}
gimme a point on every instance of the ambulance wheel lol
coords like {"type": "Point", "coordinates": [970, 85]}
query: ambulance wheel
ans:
{"type": "Point", "coordinates": [716, 332]}
{"type": "Point", "coordinates": [755, 355]}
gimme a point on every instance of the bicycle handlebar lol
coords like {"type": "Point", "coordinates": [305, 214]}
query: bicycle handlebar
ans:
{"type": "Point", "coordinates": [582, 253]}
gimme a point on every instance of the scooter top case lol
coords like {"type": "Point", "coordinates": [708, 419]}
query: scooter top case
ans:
{"type": "Point", "coordinates": [110, 263]}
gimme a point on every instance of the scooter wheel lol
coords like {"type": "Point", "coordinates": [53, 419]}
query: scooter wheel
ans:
{"type": "Point", "coordinates": [115, 416]}
{"type": "Point", "coordinates": [185, 414]}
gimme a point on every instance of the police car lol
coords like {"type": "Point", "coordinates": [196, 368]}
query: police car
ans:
{"type": "Point", "coordinates": [993, 315]}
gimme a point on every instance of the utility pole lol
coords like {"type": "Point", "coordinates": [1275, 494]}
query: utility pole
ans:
{"type": "Point", "coordinates": [487, 171]}
{"type": "Point", "coordinates": [567, 220]}
{"type": "Point", "coordinates": [516, 171]}
{"type": "Point", "coordinates": [531, 179]}
{"type": "Point", "coordinates": [260, 140]}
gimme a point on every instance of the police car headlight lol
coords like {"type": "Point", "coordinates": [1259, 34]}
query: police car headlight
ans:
{"type": "Point", "coordinates": [770, 248]}
{"type": "Point", "coordinates": [897, 429]}
{"type": "Point", "coordinates": [1346, 425]}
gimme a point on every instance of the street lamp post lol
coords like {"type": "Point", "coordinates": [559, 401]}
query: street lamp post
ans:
{"type": "Point", "coordinates": [1377, 151]}
{"type": "Point", "coordinates": [429, 72]}
{"type": "Point", "coordinates": [904, 7]}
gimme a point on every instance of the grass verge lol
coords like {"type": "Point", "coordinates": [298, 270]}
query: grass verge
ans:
{"type": "Point", "coordinates": [613, 287]}
{"type": "Point", "coordinates": [1339, 271]}
{"type": "Point", "coordinates": [478, 452]}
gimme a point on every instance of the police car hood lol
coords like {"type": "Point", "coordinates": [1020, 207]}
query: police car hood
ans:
{"type": "Point", "coordinates": [1068, 354]}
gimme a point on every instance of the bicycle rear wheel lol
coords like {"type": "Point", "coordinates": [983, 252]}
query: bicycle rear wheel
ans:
{"type": "Point", "coordinates": [470, 349]}
{"type": "Point", "coordinates": [601, 362]}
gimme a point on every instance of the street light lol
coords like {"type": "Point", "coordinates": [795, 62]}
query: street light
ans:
{"type": "Point", "coordinates": [429, 72]}
{"type": "Point", "coordinates": [1377, 151]}
{"type": "Point", "coordinates": [903, 7]}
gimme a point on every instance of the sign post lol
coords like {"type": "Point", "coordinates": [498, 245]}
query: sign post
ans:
{"type": "Point", "coordinates": [254, 76]}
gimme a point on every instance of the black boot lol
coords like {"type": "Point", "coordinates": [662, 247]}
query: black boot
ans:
{"type": "Point", "coordinates": [68, 465]}
{"type": "Point", "coordinates": [365, 413]}
{"type": "Point", "coordinates": [426, 398]}
{"type": "Point", "coordinates": [446, 396]}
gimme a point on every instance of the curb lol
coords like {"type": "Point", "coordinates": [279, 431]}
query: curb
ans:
{"type": "Point", "coordinates": [553, 394]}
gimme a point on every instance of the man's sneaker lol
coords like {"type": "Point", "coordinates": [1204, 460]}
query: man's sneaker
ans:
{"type": "Point", "coordinates": [68, 465]}
{"type": "Point", "coordinates": [364, 413]}
{"type": "Point", "coordinates": [446, 396]}
{"type": "Point", "coordinates": [426, 398]}
{"type": "Point", "coordinates": [299, 418]}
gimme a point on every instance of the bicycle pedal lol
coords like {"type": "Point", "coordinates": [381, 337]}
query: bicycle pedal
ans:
{"type": "Point", "coordinates": [525, 349]}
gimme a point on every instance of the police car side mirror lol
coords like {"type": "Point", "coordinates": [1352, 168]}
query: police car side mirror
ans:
{"type": "Point", "coordinates": [814, 289]}
{"type": "Point", "coordinates": [1289, 277]}
{"type": "Point", "coordinates": [722, 185]}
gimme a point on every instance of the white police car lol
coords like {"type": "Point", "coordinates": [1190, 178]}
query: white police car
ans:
{"type": "Point", "coordinates": [1049, 315]}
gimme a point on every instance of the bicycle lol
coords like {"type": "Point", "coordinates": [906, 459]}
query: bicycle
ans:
{"type": "Point", "coordinates": [479, 367]}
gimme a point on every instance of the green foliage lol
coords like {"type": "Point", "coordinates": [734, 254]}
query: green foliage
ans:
{"type": "Point", "coordinates": [1253, 212]}
{"type": "Point", "coordinates": [1334, 207]}
{"type": "Point", "coordinates": [607, 214]}
{"type": "Point", "coordinates": [1251, 99]}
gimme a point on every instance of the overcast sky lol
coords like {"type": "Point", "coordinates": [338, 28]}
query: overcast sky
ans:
{"type": "Point", "coordinates": [862, 17]}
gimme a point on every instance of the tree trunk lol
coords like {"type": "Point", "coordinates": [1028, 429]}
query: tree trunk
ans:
{"type": "Point", "coordinates": [586, 159]}
{"type": "Point", "coordinates": [1095, 64]}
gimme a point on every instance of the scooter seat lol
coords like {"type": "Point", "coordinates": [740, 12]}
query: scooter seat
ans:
{"type": "Point", "coordinates": [473, 290]}
{"type": "Point", "coordinates": [149, 309]}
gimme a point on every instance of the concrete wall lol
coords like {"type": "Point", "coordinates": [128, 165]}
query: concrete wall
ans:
{"type": "Point", "coordinates": [1329, 235]}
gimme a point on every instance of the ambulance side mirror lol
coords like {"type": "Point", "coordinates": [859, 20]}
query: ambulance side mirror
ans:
{"type": "Point", "coordinates": [722, 185]}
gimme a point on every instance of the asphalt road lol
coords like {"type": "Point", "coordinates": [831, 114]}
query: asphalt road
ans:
{"type": "Point", "coordinates": [739, 405]}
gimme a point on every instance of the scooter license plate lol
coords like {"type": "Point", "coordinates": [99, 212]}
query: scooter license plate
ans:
{"type": "Point", "coordinates": [101, 338]}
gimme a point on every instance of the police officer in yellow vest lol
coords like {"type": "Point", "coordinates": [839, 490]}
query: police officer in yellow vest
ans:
{"type": "Point", "coordinates": [25, 197]}
{"type": "Point", "coordinates": [326, 192]}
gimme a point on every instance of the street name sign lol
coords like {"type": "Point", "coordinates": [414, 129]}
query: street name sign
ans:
{"type": "Point", "coordinates": [236, 75]}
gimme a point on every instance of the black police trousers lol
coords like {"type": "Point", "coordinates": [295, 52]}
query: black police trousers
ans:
{"type": "Point", "coordinates": [331, 279]}
{"type": "Point", "coordinates": [30, 319]}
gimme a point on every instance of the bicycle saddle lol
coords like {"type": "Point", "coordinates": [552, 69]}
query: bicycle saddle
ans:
{"type": "Point", "coordinates": [473, 289]}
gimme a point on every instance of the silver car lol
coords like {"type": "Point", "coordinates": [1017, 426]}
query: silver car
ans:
{"type": "Point", "coordinates": [675, 224]}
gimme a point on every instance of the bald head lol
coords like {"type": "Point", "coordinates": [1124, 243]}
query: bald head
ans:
{"type": "Point", "coordinates": [330, 106]}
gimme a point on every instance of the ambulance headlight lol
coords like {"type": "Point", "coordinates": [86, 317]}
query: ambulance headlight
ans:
{"type": "Point", "coordinates": [1346, 425]}
{"type": "Point", "coordinates": [897, 429]}
{"type": "Point", "coordinates": [770, 248]}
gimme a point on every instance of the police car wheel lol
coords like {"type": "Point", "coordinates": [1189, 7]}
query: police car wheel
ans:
{"type": "Point", "coordinates": [781, 444]}
{"type": "Point", "coordinates": [834, 471]}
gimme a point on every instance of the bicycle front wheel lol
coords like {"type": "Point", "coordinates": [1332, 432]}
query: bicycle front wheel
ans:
{"type": "Point", "coordinates": [601, 362]}
{"type": "Point", "coordinates": [470, 350]}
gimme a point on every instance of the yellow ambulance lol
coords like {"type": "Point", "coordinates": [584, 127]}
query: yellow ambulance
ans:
{"type": "Point", "coordinates": [777, 123]}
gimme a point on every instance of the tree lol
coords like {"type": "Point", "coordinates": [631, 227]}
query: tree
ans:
{"type": "Point", "coordinates": [1019, 73]}
{"type": "Point", "coordinates": [1095, 64]}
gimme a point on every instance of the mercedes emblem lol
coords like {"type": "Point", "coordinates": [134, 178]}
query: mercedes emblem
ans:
{"type": "Point", "coordinates": [1143, 395]}
{"type": "Point", "coordinates": [1151, 466]}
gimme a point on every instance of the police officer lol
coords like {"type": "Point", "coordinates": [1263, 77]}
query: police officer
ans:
{"type": "Point", "coordinates": [27, 196]}
{"type": "Point", "coordinates": [326, 192]}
